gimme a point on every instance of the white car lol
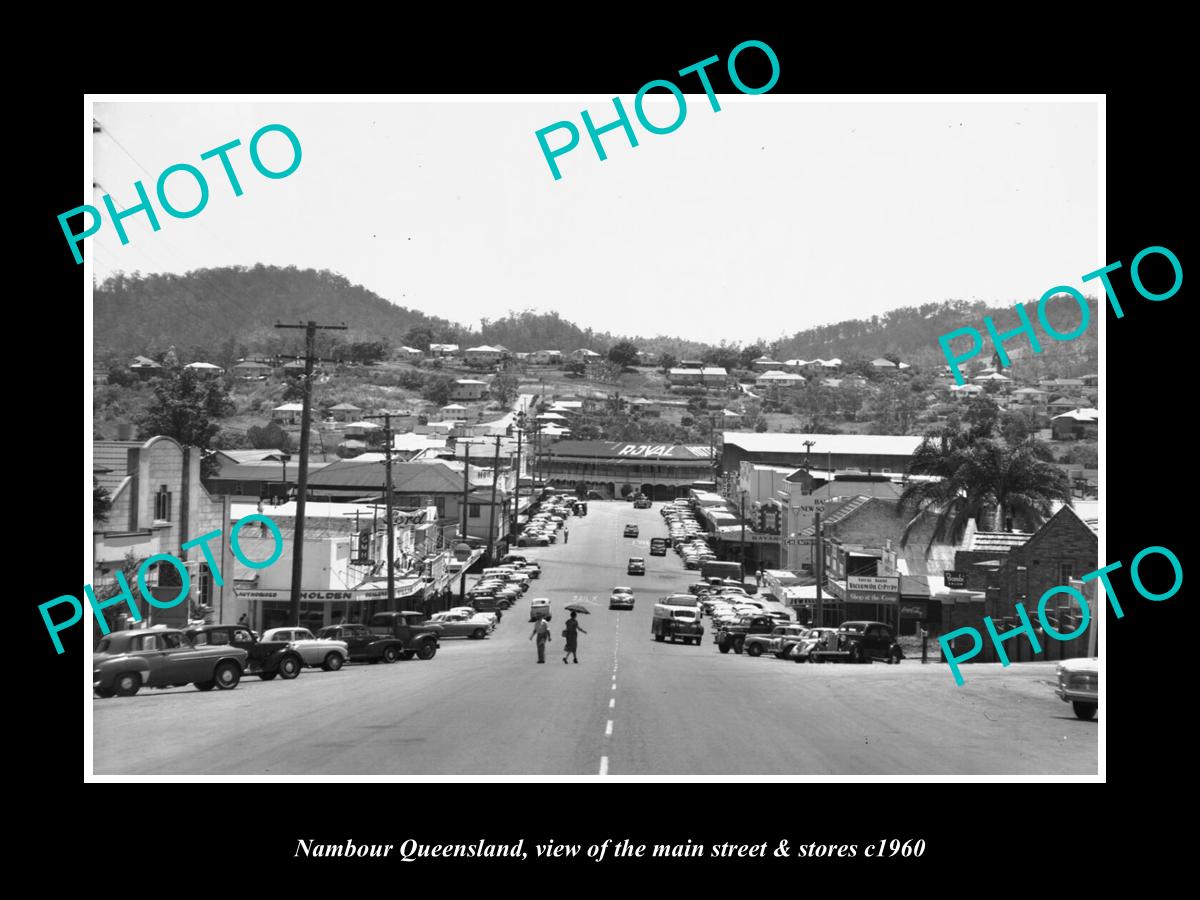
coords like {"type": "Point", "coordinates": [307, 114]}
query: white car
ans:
{"type": "Point", "coordinates": [489, 618]}
{"type": "Point", "coordinates": [1079, 684]}
{"type": "Point", "coordinates": [330, 655]}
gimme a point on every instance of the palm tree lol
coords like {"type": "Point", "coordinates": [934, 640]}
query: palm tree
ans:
{"type": "Point", "coordinates": [977, 475]}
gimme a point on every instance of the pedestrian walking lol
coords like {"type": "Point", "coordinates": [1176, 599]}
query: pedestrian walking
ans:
{"type": "Point", "coordinates": [566, 535]}
{"type": "Point", "coordinates": [541, 630]}
{"type": "Point", "coordinates": [758, 577]}
{"type": "Point", "coordinates": [244, 621]}
{"type": "Point", "coordinates": [571, 633]}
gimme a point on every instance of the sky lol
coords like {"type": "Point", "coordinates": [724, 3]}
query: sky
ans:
{"type": "Point", "coordinates": [773, 215]}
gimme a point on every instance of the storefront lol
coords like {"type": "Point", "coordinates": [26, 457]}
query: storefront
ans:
{"type": "Point", "coordinates": [272, 608]}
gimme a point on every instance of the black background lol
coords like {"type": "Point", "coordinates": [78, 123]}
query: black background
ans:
{"type": "Point", "coordinates": [1025, 836]}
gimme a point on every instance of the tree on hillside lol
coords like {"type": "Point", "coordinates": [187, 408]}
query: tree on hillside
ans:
{"type": "Point", "coordinates": [293, 389]}
{"type": "Point", "coordinates": [666, 362]}
{"type": "Point", "coordinates": [268, 437]}
{"type": "Point", "coordinates": [419, 337]}
{"type": "Point", "coordinates": [982, 417]}
{"type": "Point", "coordinates": [623, 353]}
{"type": "Point", "coordinates": [725, 356]}
{"type": "Point", "coordinates": [575, 367]}
{"type": "Point", "coordinates": [505, 388]}
{"type": "Point", "coordinates": [751, 353]}
{"type": "Point", "coordinates": [438, 389]}
{"type": "Point", "coordinates": [186, 407]}
{"type": "Point", "coordinates": [895, 408]}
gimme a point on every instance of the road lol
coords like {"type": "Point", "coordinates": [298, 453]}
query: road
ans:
{"type": "Point", "coordinates": [631, 707]}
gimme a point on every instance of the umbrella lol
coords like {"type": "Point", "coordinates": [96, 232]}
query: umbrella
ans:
{"type": "Point", "coordinates": [579, 608]}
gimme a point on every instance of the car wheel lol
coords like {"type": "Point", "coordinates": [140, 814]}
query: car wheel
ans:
{"type": "Point", "coordinates": [333, 662]}
{"type": "Point", "coordinates": [127, 684]}
{"type": "Point", "coordinates": [479, 634]}
{"type": "Point", "coordinates": [856, 655]}
{"type": "Point", "coordinates": [813, 658]}
{"type": "Point", "coordinates": [755, 650]}
{"type": "Point", "coordinates": [227, 675]}
{"type": "Point", "coordinates": [390, 654]}
{"type": "Point", "coordinates": [289, 667]}
{"type": "Point", "coordinates": [1085, 711]}
{"type": "Point", "coordinates": [738, 646]}
{"type": "Point", "coordinates": [104, 693]}
{"type": "Point", "coordinates": [660, 637]}
{"type": "Point", "coordinates": [267, 676]}
{"type": "Point", "coordinates": [205, 685]}
{"type": "Point", "coordinates": [427, 650]}
{"type": "Point", "coordinates": [894, 659]}
{"type": "Point", "coordinates": [406, 655]}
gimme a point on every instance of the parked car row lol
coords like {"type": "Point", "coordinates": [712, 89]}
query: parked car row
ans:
{"type": "Point", "coordinates": [547, 520]}
{"type": "Point", "coordinates": [686, 535]}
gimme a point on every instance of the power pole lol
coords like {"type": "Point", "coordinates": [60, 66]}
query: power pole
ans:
{"type": "Point", "coordinates": [391, 534]}
{"type": "Point", "coordinates": [817, 567]}
{"type": "Point", "coordinates": [492, 516]}
{"type": "Point", "coordinates": [310, 334]}
{"type": "Point", "coordinates": [462, 516]}
{"type": "Point", "coordinates": [743, 547]}
{"type": "Point", "coordinates": [519, 419]}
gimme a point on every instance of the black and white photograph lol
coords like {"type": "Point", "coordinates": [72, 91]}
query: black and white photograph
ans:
{"type": "Point", "coordinates": [531, 436]}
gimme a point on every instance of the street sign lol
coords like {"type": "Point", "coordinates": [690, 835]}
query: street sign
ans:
{"type": "Point", "coordinates": [873, 588]}
{"type": "Point", "coordinates": [954, 579]}
{"type": "Point", "coordinates": [809, 541]}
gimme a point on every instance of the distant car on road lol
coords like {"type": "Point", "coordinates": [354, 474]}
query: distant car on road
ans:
{"type": "Point", "coordinates": [125, 661]}
{"type": "Point", "coordinates": [631, 531]}
{"type": "Point", "coordinates": [1079, 685]}
{"type": "Point", "coordinates": [539, 608]}
{"type": "Point", "coordinates": [329, 655]}
{"type": "Point", "coordinates": [622, 598]}
{"type": "Point", "coordinates": [637, 566]}
{"type": "Point", "coordinates": [642, 503]}
{"type": "Point", "coordinates": [658, 546]}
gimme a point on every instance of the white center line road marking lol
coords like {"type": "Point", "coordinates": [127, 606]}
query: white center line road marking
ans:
{"type": "Point", "coordinates": [608, 729]}
{"type": "Point", "coordinates": [604, 765]}
{"type": "Point", "coordinates": [612, 702]}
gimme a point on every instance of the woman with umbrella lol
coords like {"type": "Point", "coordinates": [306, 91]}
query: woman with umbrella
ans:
{"type": "Point", "coordinates": [571, 631]}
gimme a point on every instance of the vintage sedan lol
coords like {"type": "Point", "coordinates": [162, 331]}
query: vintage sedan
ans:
{"type": "Point", "coordinates": [487, 617]}
{"type": "Point", "coordinates": [456, 624]}
{"type": "Point", "coordinates": [621, 598]}
{"type": "Point", "coordinates": [125, 661]}
{"type": "Point", "coordinates": [631, 531]}
{"type": "Point", "coordinates": [813, 637]}
{"type": "Point", "coordinates": [1078, 683]}
{"type": "Point", "coordinates": [330, 655]}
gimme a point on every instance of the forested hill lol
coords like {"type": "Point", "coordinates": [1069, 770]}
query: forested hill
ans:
{"type": "Point", "coordinates": [220, 315]}
{"type": "Point", "coordinates": [912, 332]}
{"type": "Point", "coordinates": [199, 311]}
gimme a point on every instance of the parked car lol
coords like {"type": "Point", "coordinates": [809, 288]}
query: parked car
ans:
{"type": "Point", "coordinates": [362, 645]}
{"type": "Point", "coordinates": [264, 658]}
{"type": "Point", "coordinates": [733, 636]}
{"type": "Point", "coordinates": [631, 531]}
{"type": "Point", "coordinates": [1079, 684]}
{"type": "Point", "coordinates": [636, 566]}
{"type": "Point", "coordinates": [779, 642]}
{"type": "Point", "coordinates": [621, 598]}
{"type": "Point", "coordinates": [329, 655]}
{"type": "Point", "coordinates": [539, 608]}
{"type": "Point", "coordinates": [860, 642]}
{"type": "Point", "coordinates": [489, 617]}
{"type": "Point", "coordinates": [457, 624]}
{"type": "Point", "coordinates": [812, 638]}
{"type": "Point", "coordinates": [125, 661]}
{"type": "Point", "coordinates": [408, 626]}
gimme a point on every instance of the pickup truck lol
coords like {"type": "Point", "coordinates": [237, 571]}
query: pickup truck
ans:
{"type": "Point", "coordinates": [733, 637]}
{"type": "Point", "coordinates": [418, 640]}
{"type": "Point", "coordinates": [779, 641]}
{"type": "Point", "coordinates": [266, 659]}
{"type": "Point", "coordinates": [677, 617]}
{"type": "Point", "coordinates": [859, 642]}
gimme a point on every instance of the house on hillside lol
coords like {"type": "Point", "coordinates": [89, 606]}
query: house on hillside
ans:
{"type": "Point", "coordinates": [1076, 424]}
{"type": "Point", "coordinates": [585, 355]}
{"type": "Point", "coordinates": [345, 412]}
{"type": "Point", "coordinates": [251, 369]}
{"type": "Point", "coordinates": [144, 367]}
{"type": "Point", "coordinates": [468, 389]}
{"type": "Point", "coordinates": [409, 354]}
{"type": "Point", "coordinates": [438, 350]}
{"type": "Point", "coordinates": [288, 413]}
{"type": "Point", "coordinates": [766, 364]}
{"type": "Point", "coordinates": [483, 355]}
